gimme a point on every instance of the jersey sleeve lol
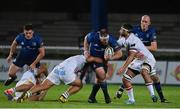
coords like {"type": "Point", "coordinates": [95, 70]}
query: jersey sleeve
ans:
{"type": "Point", "coordinates": [114, 44]}
{"type": "Point", "coordinates": [40, 41]}
{"type": "Point", "coordinates": [18, 39]}
{"type": "Point", "coordinates": [121, 42]}
{"type": "Point", "coordinates": [153, 35]}
{"type": "Point", "coordinates": [133, 45]}
{"type": "Point", "coordinates": [90, 37]}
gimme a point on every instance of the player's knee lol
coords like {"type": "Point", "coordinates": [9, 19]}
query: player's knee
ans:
{"type": "Point", "coordinates": [155, 78]}
{"type": "Point", "coordinates": [127, 77]}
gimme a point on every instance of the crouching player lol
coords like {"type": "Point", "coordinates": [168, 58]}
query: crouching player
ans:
{"type": "Point", "coordinates": [66, 72]}
{"type": "Point", "coordinates": [27, 81]}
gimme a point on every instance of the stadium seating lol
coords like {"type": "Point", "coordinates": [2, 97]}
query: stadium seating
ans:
{"type": "Point", "coordinates": [60, 29]}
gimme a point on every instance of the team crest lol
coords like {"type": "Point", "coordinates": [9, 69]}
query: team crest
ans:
{"type": "Point", "coordinates": [34, 43]}
{"type": "Point", "coordinates": [22, 43]}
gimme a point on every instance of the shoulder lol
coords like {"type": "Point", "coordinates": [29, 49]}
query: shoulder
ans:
{"type": "Point", "coordinates": [20, 36]}
{"type": "Point", "coordinates": [37, 36]}
{"type": "Point", "coordinates": [152, 29]}
{"type": "Point", "coordinates": [136, 27]}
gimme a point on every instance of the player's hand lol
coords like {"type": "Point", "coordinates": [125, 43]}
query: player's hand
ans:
{"type": "Point", "coordinates": [120, 71]}
{"type": "Point", "coordinates": [139, 55]}
{"type": "Point", "coordinates": [9, 58]}
{"type": "Point", "coordinates": [86, 54]}
{"type": "Point", "coordinates": [107, 57]}
{"type": "Point", "coordinates": [32, 66]}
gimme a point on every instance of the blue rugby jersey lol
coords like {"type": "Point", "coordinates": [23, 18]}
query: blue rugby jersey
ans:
{"type": "Point", "coordinates": [146, 37]}
{"type": "Point", "coordinates": [29, 47]}
{"type": "Point", "coordinates": [95, 46]}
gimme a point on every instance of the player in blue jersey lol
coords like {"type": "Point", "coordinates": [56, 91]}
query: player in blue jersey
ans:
{"type": "Point", "coordinates": [147, 35]}
{"type": "Point", "coordinates": [95, 44]}
{"type": "Point", "coordinates": [31, 52]}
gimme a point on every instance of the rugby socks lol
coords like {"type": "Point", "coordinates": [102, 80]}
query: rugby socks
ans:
{"type": "Point", "coordinates": [28, 93]}
{"type": "Point", "coordinates": [159, 90]}
{"type": "Point", "coordinates": [130, 94]}
{"type": "Point", "coordinates": [94, 91]}
{"type": "Point", "coordinates": [121, 88]}
{"type": "Point", "coordinates": [65, 94]}
{"type": "Point", "coordinates": [150, 88]}
{"type": "Point", "coordinates": [104, 88]}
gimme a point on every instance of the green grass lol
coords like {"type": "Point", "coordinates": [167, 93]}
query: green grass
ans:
{"type": "Point", "coordinates": [79, 100]}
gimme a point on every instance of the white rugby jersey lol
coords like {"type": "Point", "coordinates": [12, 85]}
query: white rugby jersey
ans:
{"type": "Point", "coordinates": [133, 43]}
{"type": "Point", "coordinates": [75, 62]}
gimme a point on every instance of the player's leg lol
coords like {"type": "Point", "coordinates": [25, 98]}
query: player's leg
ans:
{"type": "Point", "coordinates": [157, 85]}
{"type": "Point", "coordinates": [12, 74]}
{"type": "Point", "coordinates": [96, 86]}
{"type": "Point", "coordinates": [75, 87]}
{"type": "Point", "coordinates": [119, 92]}
{"type": "Point", "coordinates": [37, 88]}
{"type": "Point", "coordinates": [21, 88]}
{"type": "Point", "coordinates": [146, 68]}
{"type": "Point", "coordinates": [95, 89]}
{"type": "Point", "coordinates": [101, 75]}
{"type": "Point", "coordinates": [127, 77]}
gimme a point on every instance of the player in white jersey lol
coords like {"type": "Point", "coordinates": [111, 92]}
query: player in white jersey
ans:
{"type": "Point", "coordinates": [66, 72]}
{"type": "Point", "coordinates": [27, 81]}
{"type": "Point", "coordinates": [134, 65]}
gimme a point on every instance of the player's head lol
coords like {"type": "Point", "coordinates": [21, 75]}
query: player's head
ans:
{"type": "Point", "coordinates": [42, 70]}
{"type": "Point", "coordinates": [145, 22]}
{"type": "Point", "coordinates": [125, 30]}
{"type": "Point", "coordinates": [28, 31]}
{"type": "Point", "coordinates": [104, 37]}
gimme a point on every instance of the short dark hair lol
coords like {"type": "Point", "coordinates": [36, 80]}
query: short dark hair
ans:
{"type": "Point", "coordinates": [127, 26]}
{"type": "Point", "coordinates": [28, 26]}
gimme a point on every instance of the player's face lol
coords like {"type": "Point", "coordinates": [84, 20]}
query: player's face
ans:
{"type": "Point", "coordinates": [42, 70]}
{"type": "Point", "coordinates": [123, 32]}
{"type": "Point", "coordinates": [104, 38]}
{"type": "Point", "coordinates": [28, 34]}
{"type": "Point", "coordinates": [145, 22]}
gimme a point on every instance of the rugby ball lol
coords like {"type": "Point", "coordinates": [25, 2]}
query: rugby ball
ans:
{"type": "Point", "coordinates": [109, 51]}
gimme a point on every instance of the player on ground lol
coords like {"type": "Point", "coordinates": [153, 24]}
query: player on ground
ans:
{"type": "Point", "coordinates": [66, 72]}
{"type": "Point", "coordinates": [31, 52]}
{"type": "Point", "coordinates": [27, 81]}
{"type": "Point", "coordinates": [133, 65]}
{"type": "Point", "coordinates": [95, 44]}
{"type": "Point", "coordinates": [147, 35]}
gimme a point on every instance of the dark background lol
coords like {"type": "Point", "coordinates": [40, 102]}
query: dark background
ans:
{"type": "Point", "coordinates": [114, 6]}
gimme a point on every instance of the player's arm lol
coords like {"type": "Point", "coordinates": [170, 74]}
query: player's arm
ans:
{"type": "Point", "coordinates": [86, 47]}
{"type": "Point", "coordinates": [117, 55]}
{"type": "Point", "coordinates": [129, 59]}
{"type": "Point", "coordinates": [12, 50]}
{"type": "Point", "coordinates": [94, 59]}
{"type": "Point", "coordinates": [39, 57]}
{"type": "Point", "coordinates": [153, 46]}
{"type": "Point", "coordinates": [110, 71]}
{"type": "Point", "coordinates": [38, 97]}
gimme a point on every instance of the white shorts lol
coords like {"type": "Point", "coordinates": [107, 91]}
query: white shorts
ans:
{"type": "Point", "coordinates": [27, 78]}
{"type": "Point", "coordinates": [136, 64]}
{"type": "Point", "coordinates": [65, 74]}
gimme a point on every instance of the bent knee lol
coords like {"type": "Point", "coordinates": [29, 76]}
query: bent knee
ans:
{"type": "Point", "coordinates": [155, 78]}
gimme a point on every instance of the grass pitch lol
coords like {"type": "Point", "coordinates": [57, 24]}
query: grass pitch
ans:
{"type": "Point", "coordinates": [79, 100]}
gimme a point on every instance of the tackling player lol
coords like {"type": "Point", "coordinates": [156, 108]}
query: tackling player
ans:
{"type": "Point", "coordinates": [27, 81]}
{"type": "Point", "coordinates": [66, 72]}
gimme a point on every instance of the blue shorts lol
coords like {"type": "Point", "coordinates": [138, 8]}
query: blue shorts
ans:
{"type": "Point", "coordinates": [20, 61]}
{"type": "Point", "coordinates": [95, 65]}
